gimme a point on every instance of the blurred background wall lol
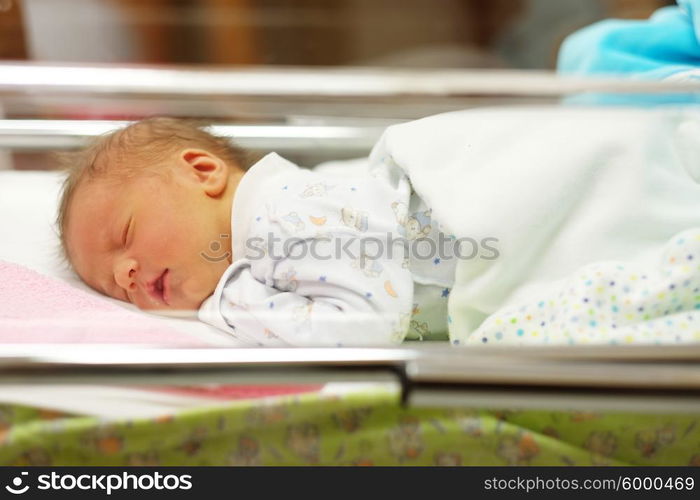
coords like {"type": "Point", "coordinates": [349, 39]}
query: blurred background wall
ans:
{"type": "Point", "coordinates": [406, 33]}
{"type": "Point", "coordinates": [519, 34]}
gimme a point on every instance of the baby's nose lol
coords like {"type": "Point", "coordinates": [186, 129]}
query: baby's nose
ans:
{"type": "Point", "coordinates": [125, 274]}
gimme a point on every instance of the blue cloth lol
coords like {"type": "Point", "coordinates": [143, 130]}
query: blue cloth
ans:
{"type": "Point", "coordinates": [663, 45]}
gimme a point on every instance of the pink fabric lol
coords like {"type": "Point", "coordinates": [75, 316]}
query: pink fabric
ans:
{"type": "Point", "coordinates": [39, 309]}
{"type": "Point", "coordinates": [227, 392]}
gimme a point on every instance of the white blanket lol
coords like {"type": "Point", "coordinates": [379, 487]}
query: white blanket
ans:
{"type": "Point", "coordinates": [558, 188]}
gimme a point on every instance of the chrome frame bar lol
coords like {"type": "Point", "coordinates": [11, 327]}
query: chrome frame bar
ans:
{"type": "Point", "coordinates": [343, 82]}
{"type": "Point", "coordinates": [30, 89]}
{"type": "Point", "coordinates": [38, 135]}
{"type": "Point", "coordinates": [635, 378]}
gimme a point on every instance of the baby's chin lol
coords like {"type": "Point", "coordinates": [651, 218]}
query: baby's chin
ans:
{"type": "Point", "coordinates": [180, 308]}
{"type": "Point", "coordinates": [185, 310]}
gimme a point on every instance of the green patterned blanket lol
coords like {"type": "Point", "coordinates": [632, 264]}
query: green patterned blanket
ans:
{"type": "Point", "coordinates": [363, 428]}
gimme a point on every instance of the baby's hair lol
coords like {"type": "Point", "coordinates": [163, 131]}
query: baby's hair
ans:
{"type": "Point", "coordinates": [142, 147]}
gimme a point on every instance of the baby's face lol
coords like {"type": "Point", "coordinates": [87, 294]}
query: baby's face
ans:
{"type": "Point", "coordinates": [151, 241]}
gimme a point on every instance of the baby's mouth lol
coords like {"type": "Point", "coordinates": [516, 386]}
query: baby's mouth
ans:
{"type": "Point", "coordinates": [160, 288]}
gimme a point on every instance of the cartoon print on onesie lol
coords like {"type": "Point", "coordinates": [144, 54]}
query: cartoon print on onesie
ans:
{"type": "Point", "coordinates": [354, 218]}
{"type": "Point", "coordinates": [318, 189]}
{"type": "Point", "coordinates": [319, 223]}
{"type": "Point", "coordinates": [412, 226]}
{"type": "Point", "coordinates": [370, 267]}
{"type": "Point", "coordinates": [293, 222]}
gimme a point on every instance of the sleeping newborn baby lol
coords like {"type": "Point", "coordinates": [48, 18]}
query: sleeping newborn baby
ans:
{"type": "Point", "coordinates": [166, 216]}
{"type": "Point", "coordinates": [451, 220]}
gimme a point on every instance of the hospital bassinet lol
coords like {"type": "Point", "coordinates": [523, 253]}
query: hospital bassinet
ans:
{"type": "Point", "coordinates": [415, 404]}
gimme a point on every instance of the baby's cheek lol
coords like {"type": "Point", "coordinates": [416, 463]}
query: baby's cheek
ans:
{"type": "Point", "coordinates": [200, 285]}
{"type": "Point", "coordinates": [170, 239]}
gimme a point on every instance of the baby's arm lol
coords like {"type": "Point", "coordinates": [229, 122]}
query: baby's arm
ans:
{"type": "Point", "coordinates": [317, 301]}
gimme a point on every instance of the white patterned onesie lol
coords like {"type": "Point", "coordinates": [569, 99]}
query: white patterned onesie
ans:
{"type": "Point", "coordinates": [321, 260]}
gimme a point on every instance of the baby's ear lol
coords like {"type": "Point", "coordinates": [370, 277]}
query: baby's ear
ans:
{"type": "Point", "coordinates": [210, 171]}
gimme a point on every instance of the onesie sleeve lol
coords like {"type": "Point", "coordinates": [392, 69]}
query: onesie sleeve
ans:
{"type": "Point", "coordinates": [318, 297]}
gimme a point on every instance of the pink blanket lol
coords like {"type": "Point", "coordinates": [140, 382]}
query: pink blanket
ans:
{"type": "Point", "coordinates": [39, 309]}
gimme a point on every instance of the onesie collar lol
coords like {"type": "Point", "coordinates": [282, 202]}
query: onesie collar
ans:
{"type": "Point", "coordinates": [253, 186]}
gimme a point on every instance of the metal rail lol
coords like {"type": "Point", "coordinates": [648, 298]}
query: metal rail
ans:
{"type": "Point", "coordinates": [39, 135]}
{"type": "Point", "coordinates": [61, 91]}
{"type": "Point", "coordinates": [345, 82]}
{"type": "Point", "coordinates": [639, 378]}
